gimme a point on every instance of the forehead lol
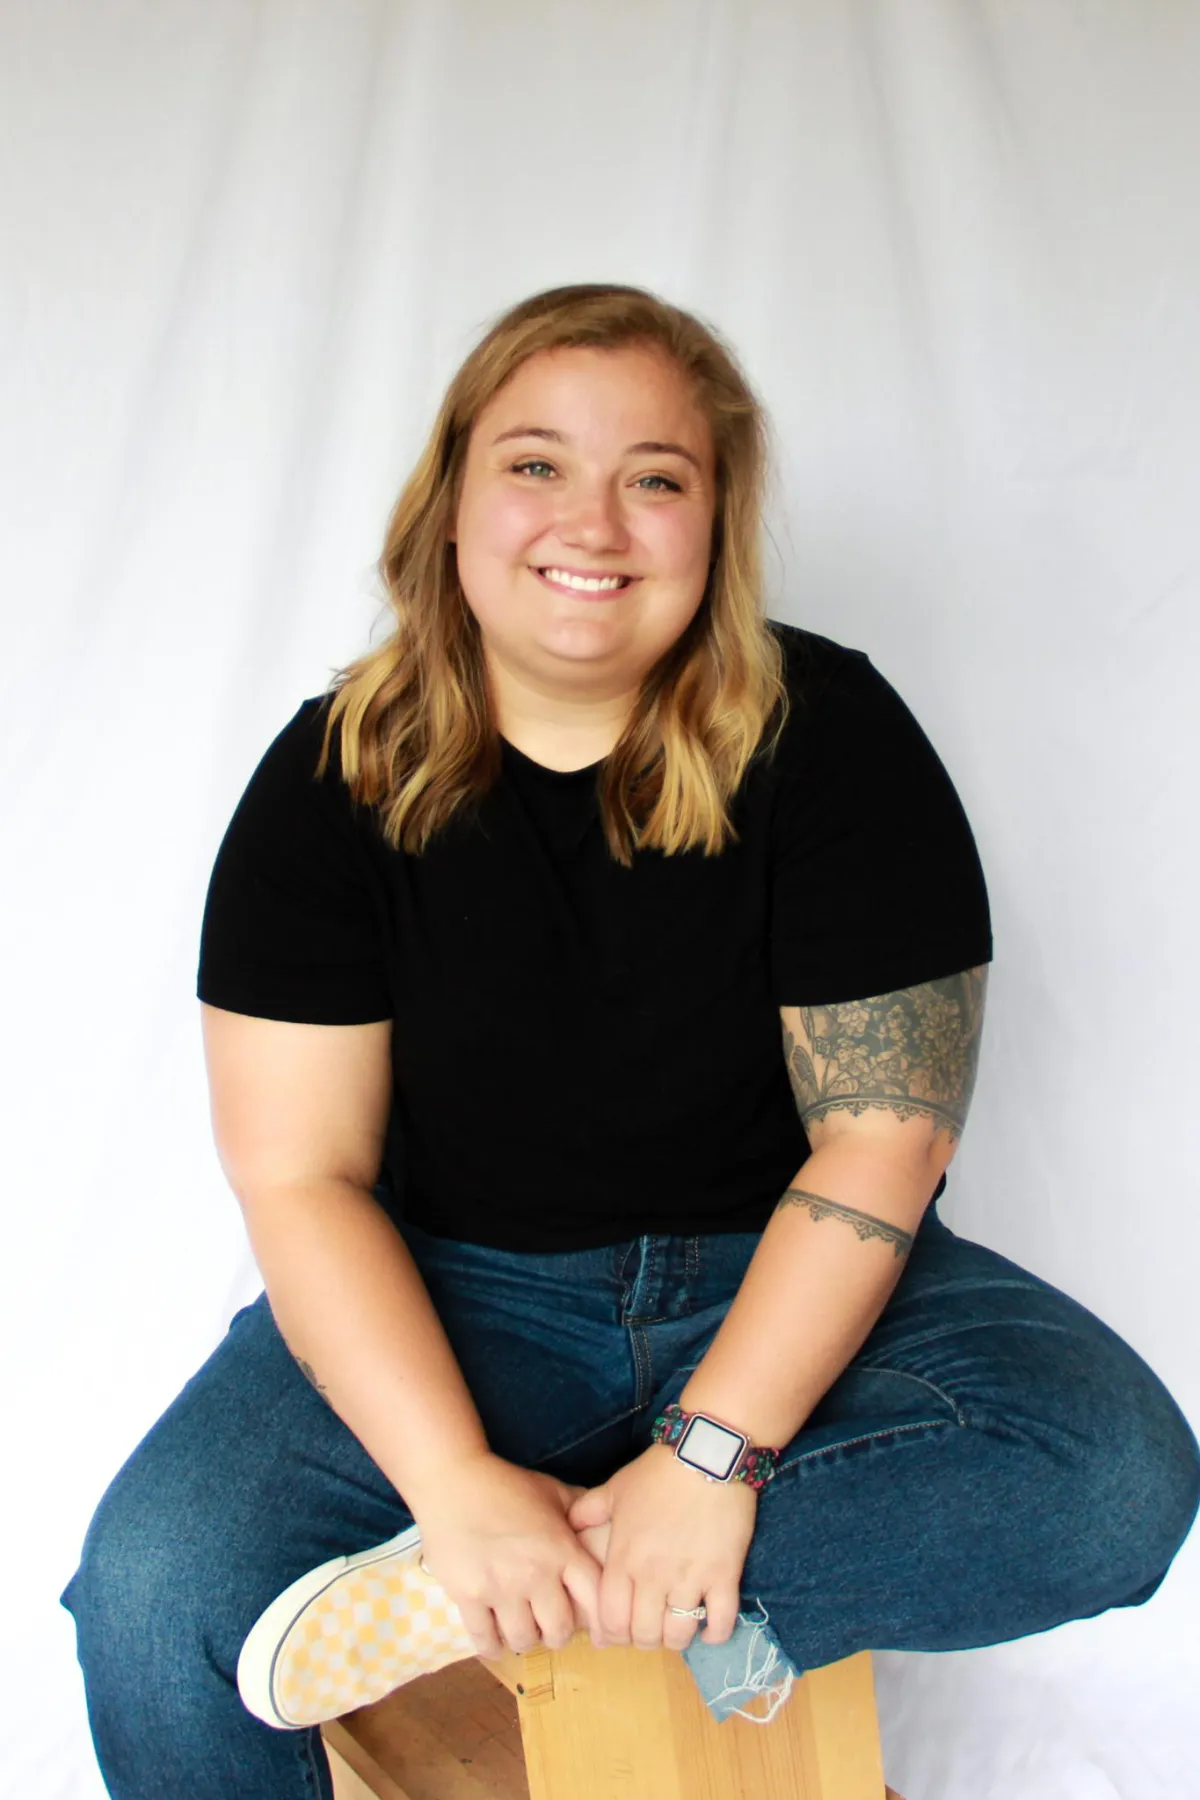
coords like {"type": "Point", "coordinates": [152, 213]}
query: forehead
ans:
{"type": "Point", "coordinates": [591, 395]}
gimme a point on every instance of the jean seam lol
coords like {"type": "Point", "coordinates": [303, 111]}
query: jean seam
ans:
{"type": "Point", "coordinates": [574, 1443]}
{"type": "Point", "coordinates": [960, 1417]}
{"type": "Point", "coordinates": [309, 1759]}
{"type": "Point", "coordinates": [652, 1265]}
{"type": "Point", "coordinates": [944, 1331]}
{"type": "Point", "coordinates": [642, 1363]}
{"type": "Point", "coordinates": [866, 1438]}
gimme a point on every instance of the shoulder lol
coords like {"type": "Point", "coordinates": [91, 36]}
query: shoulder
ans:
{"type": "Point", "coordinates": [292, 756]}
{"type": "Point", "coordinates": [822, 677]}
{"type": "Point", "coordinates": [305, 730]}
{"type": "Point", "coordinates": [813, 663]}
{"type": "Point", "coordinates": [285, 792]}
{"type": "Point", "coordinates": [845, 718]}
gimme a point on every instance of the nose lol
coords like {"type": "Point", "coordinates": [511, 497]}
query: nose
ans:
{"type": "Point", "coordinates": [591, 517]}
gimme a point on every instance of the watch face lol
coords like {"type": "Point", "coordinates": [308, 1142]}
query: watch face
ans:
{"type": "Point", "coordinates": [710, 1447]}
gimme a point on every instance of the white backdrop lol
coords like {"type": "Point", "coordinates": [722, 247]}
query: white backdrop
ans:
{"type": "Point", "coordinates": [958, 246]}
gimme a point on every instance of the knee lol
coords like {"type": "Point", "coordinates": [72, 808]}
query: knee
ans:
{"type": "Point", "coordinates": [1142, 1490]}
{"type": "Point", "coordinates": [138, 1594]}
{"type": "Point", "coordinates": [1167, 1484]}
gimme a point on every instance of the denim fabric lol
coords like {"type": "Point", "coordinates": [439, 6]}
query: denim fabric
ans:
{"type": "Point", "coordinates": [994, 1461]}
{"type": "Point", "coordinates": [748, 1674]}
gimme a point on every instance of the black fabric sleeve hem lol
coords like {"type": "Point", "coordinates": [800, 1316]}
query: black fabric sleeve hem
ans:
{"type": "Point", "coordinates": [259, 1002]}
{"type": "Point", "coordinates": [886, 976]}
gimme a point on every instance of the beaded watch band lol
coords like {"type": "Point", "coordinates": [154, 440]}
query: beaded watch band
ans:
{"type": "Point", "coordinates": [727, 1455]}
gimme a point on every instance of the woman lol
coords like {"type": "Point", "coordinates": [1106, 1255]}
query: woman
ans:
{"type": "Point", "coordinates": [592, 988]}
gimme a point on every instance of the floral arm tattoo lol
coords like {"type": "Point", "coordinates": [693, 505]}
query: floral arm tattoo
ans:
{"type": "Point", "coordinates": [913, 1053]}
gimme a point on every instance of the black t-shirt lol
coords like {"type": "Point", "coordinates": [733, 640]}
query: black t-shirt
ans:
{"type": "Point", "coordinates": [583, 1053]}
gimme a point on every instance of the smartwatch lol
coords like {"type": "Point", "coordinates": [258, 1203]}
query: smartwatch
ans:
{"type": "Point", "coordinates": [714, 1450]}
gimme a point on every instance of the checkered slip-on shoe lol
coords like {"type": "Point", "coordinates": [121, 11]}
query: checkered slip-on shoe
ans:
{"type": "Point", "coordinates": [348, 1633]}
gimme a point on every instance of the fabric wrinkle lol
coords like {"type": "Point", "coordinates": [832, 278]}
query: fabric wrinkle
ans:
{"type": "Point", "coordinates": [920, 1539]}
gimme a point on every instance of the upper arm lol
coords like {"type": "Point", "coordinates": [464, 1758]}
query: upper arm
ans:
{"type": "Point", "coordinates": [897, 1068]}
{"type": "Point", "coordinates": [294, 1103]}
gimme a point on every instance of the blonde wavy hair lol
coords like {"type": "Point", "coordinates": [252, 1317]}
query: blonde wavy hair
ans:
{"type": "Point", "coordinates": [417, 738]}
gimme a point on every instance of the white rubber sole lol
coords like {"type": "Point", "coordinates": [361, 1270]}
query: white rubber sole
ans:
{"type": "Point", "coordinates": [348, 1633]}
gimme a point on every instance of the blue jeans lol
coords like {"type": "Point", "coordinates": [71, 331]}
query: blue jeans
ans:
{"type": "Point", "coordinates": [993, 1462]}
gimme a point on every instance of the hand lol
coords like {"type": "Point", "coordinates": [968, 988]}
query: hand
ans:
{"type": "Point", "coordinates": [496, 1538]}
{"type": "Point", "coordinates": [676, 1540]}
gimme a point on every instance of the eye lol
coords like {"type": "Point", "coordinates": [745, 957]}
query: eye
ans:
{"type": "Point", "coordinates": [534, 465]}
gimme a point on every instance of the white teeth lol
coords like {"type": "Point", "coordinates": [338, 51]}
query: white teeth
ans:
{"type": "Point", "coordinates": [588, 584]}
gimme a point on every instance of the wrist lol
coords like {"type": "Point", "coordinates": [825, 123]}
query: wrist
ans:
{"type": "Point", "coordinates": [428, 1486]}
{"type": "Point", "coordinates": [714, 1448]}
{"type": "Point", "coordinates": [756, 1412]}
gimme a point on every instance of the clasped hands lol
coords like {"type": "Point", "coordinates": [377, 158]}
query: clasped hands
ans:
{"type": "Point", "coordinates": [664, 1537]}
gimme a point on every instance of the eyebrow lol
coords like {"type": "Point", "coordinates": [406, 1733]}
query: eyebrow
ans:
{"type": "Point", "coordinates": [648, 445]}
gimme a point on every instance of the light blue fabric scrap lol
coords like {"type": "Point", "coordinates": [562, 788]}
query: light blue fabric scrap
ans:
{"type": "Point", "coordinates": [750, 1664]}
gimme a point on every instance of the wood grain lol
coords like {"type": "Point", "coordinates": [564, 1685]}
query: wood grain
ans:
{"type": "Point", "coordinates": [348, 1784]}
{"type": "Point", "coordinates": [450, 1736]}
{"type": "Point", "coordinates": [616, 1724]}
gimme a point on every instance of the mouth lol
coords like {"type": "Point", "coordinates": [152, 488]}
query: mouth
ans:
{"type": "Point", "coordinates": [585, 586]}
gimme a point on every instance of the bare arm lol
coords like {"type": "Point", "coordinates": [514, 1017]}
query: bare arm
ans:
{"type": "Point", "coordinates": [883, 1085]}
{"type": "Point", "coordinates": [299, 1115]}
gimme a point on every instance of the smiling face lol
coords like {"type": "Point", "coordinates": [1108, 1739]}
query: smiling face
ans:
{"type": "Point", "coordinates": [584, 523]}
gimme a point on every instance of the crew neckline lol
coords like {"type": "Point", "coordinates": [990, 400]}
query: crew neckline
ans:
{"type": "Point", "coordinates": [543, 769]}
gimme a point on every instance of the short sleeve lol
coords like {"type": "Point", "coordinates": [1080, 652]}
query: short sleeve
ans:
{"type": "Point", "coordinates": [876, 881]}
{"type": "Point", "coordinates": [292, 925]}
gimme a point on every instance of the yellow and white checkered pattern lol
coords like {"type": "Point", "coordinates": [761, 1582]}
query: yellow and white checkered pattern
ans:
{"type": "Point", "coordinates": [369, 1631]}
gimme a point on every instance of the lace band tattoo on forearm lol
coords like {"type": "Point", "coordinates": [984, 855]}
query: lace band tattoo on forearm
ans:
{"type": "Point", "coordinates": [865, 1224]}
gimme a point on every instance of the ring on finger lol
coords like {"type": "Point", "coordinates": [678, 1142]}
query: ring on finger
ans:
{"type": "Point", "coordinates": [689, 1612]}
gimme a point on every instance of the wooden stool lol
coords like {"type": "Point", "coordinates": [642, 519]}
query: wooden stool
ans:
{"type": "Point", "coordinates": [626, 1724]}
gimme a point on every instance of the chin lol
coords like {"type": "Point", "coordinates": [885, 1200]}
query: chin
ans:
{"type": "Point", "coordinates": [585, 636]}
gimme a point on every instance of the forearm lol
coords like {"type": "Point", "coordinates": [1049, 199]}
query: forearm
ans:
{"type": "Point", "coordinates": [813, 1290]}
{"type": "Point", "coordinates": [352, 1307]}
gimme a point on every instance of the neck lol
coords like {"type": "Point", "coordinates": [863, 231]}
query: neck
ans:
{"type": "Point", "coordinates": [559, 731]}
{"type": "Point", "coordinates": [559, 749]}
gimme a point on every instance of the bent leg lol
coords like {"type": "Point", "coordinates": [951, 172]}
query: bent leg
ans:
{"type": "Point", "coordinates": [994, 1462]}
{"type": "Point", "coordinates": [247, 1480]}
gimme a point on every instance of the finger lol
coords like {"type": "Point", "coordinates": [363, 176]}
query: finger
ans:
{"type": "Point", "coordinates": [581, 1579]}
{"type": "Point", "coordinates": [592, 1507]}
{"type": "Point", "coordinates": [649, 1612]}
{"type": "Point", "coordinates": [594, 1539]}
{"type": "Point", "coordinates": [678, 1632]}
{"type": "Point", "coordinates": [517, 1625]}
{"type": "Point", "coordinates": [480, 1622]}
{"type": "Point", "coordinates": [554, 1616]}
{"type": "Point", "coordinates": [722, 1601]}
{"type": "Point", "coordinates": [616, 1605]}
